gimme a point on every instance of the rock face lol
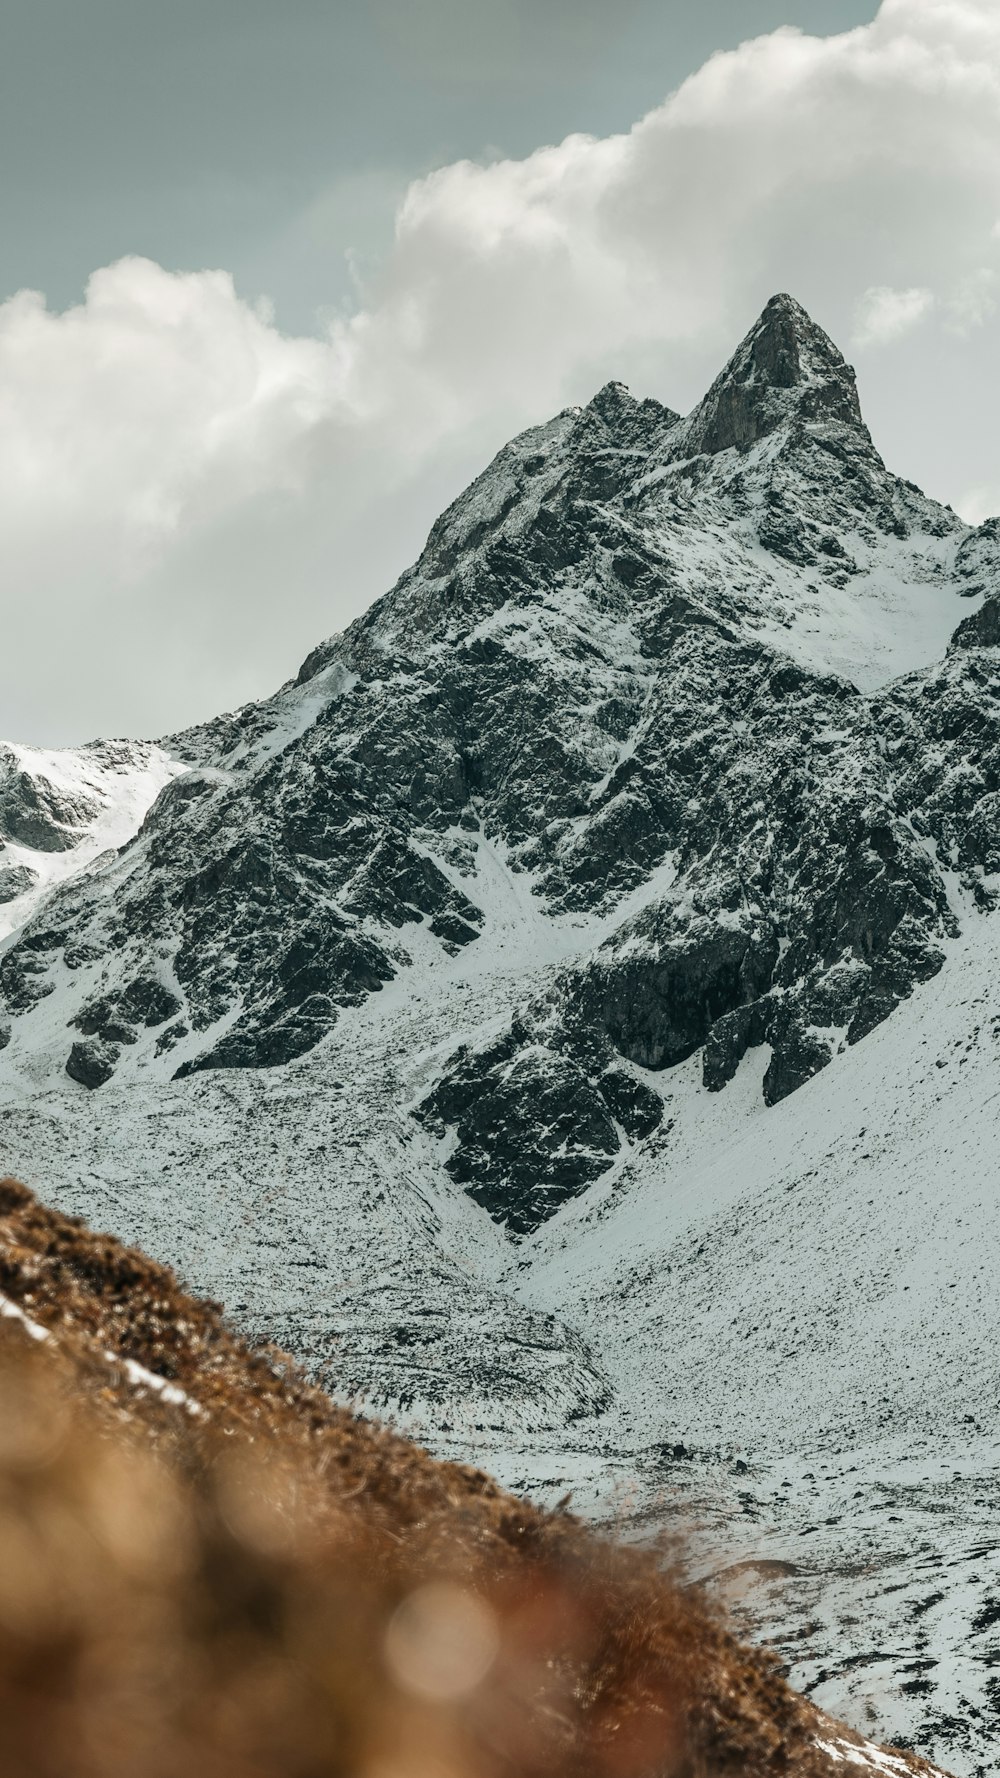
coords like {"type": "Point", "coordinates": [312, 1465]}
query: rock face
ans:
{"type": "Point", "coordinates": [39, 813]}
{"type": "Point", "coordinates": [786, 371]}
{"type": "Point", "coordinates": [534, 1126]}
{"type": "Point", "coordinates": [623, 662]}
{"type": "Point", "coordinates": [92, 1062]}
{"type": "Point", "coordinates": [15, 880]}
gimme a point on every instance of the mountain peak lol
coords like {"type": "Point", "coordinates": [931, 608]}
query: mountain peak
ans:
{"type": "Point", "coordinates": [629, 422]}
{"type": "Point", "coordinates": [786, 367]}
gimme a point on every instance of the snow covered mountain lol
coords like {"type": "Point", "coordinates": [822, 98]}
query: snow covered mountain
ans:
{"type": "Point", "coordinates": [564, 1014]}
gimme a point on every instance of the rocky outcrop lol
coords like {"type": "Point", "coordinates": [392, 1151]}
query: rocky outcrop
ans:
{"type": "Point", "coordinates": [532, 1129]}
{"type": "Point", "coordinates": [982, 629]}
{"type": "Point", "coordinates": [15, 880]}
{"type": "Point", "coordinates": [534, 1121]}
{"type": "Point", "coordinates": [786, 368]}
{"type": "Point", "coordinates": [37, 813]}
{"type": "Point", "coordinates": [92, 1062]}
{"type": "Point", "coordinates": [941, 732]}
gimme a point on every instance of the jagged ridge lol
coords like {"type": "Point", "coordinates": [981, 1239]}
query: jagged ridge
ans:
{"type": "Point", "coordinates": [582, 669]}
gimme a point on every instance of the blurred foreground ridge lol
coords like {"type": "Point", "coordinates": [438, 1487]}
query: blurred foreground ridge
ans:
{"type": "Point", "coordinates": [208, 1567]}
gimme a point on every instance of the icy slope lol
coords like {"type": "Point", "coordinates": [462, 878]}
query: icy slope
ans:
{"type": "Point", "coordinates": [61, 809]}
{"type": "Point", "coordinates": [810, 1291]}
{"type": "Point", "coordinates": [831, 1213]}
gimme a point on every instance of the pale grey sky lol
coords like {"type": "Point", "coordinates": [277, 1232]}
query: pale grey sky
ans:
{"type": "Point", "coordinates": [196, 486]}
{"type": "Point", "coordinates": [273, 136]}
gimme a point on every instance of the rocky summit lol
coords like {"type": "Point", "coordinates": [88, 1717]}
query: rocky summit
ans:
{"type": "Point", "coordinates": [498, 1005]}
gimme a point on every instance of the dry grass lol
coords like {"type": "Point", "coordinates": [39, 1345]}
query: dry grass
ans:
{"type": "Point", "coordinates": [253, 1583]}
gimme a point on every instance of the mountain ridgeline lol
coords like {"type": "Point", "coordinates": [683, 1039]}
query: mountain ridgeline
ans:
{"type": "Point", "coordinates": [667, 674]}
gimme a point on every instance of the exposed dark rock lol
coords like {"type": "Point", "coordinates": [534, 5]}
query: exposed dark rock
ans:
{"type": "Point", "coordinates": [169, 1038]}
{"type": "Point", "coordinates": [113, 1017]}
{"type": "Point", "coordinates": [873, 1010]}
{"type": "Point", "coordinates": [533, 1129]}
{"type": "Point", "coordinates": [738, 1031]}
{"type": "Point", "coordinates": [149, 1001]}
{"type": "Point", "coordinates": [977, 560]}
{"type": "Point", "coordinates": [302, 1025]}
{"type": "Point", "coordinates": [39, 814]}
{"type": "Point", "coordinates": [15, 880]}
{"type": "Point", "coordinates": [786, 366]}
{"type": "Point", "coordinates": [942, 735]}
{"type": "Point", "coordinates": [798, 1054]}
{"type": "Point", "coordinates": [23, 979]}
{"type": "Point", "coordinates": [636, 1106]}
{"type": "Point", "coordinates": [315, 661]}
{"type": "Point", "coordinates": [667, 980]}
{"type": "Point", "coordinates": [92, 1062]}
{"type": "Point", "coordinates": [452, 930]}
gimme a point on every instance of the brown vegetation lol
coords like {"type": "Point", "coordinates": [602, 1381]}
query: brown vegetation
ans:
{"type": "Point", "coordinates": [235, 1578]}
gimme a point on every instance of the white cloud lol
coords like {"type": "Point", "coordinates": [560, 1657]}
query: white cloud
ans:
{"type": "Point", "coordinates": [188, 499]}
{"type": "Point", "coordinates": [979, 503]}
{"type": "Point", "coordinates": [884, 314]}
{"type": "Point", "coordinates": [974, 302]}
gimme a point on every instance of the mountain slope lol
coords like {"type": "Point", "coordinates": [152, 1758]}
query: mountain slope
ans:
{"type": "Point", "coordinates": [450, 998]}
{"type": "Point", "coordinates": [308, 1590]}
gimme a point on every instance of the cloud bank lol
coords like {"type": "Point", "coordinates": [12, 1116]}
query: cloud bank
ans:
{"type": "Point", "coordinates": [885, 314]}
{"type": "Point", "coordinates": [189, 499]}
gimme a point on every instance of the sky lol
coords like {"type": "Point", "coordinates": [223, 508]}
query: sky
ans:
{"type": "Point", "coordinates": [276, 137]}
{"type": "Point", "coordinates": [276, 280]}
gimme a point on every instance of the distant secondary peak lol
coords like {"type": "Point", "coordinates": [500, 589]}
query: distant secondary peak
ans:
{"type": "Point", "coordinates": [631, 424]}
{"type": "Point", "coordinates": [786, 367]}
{"type": "Point", "coordinates": [610, 401]}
